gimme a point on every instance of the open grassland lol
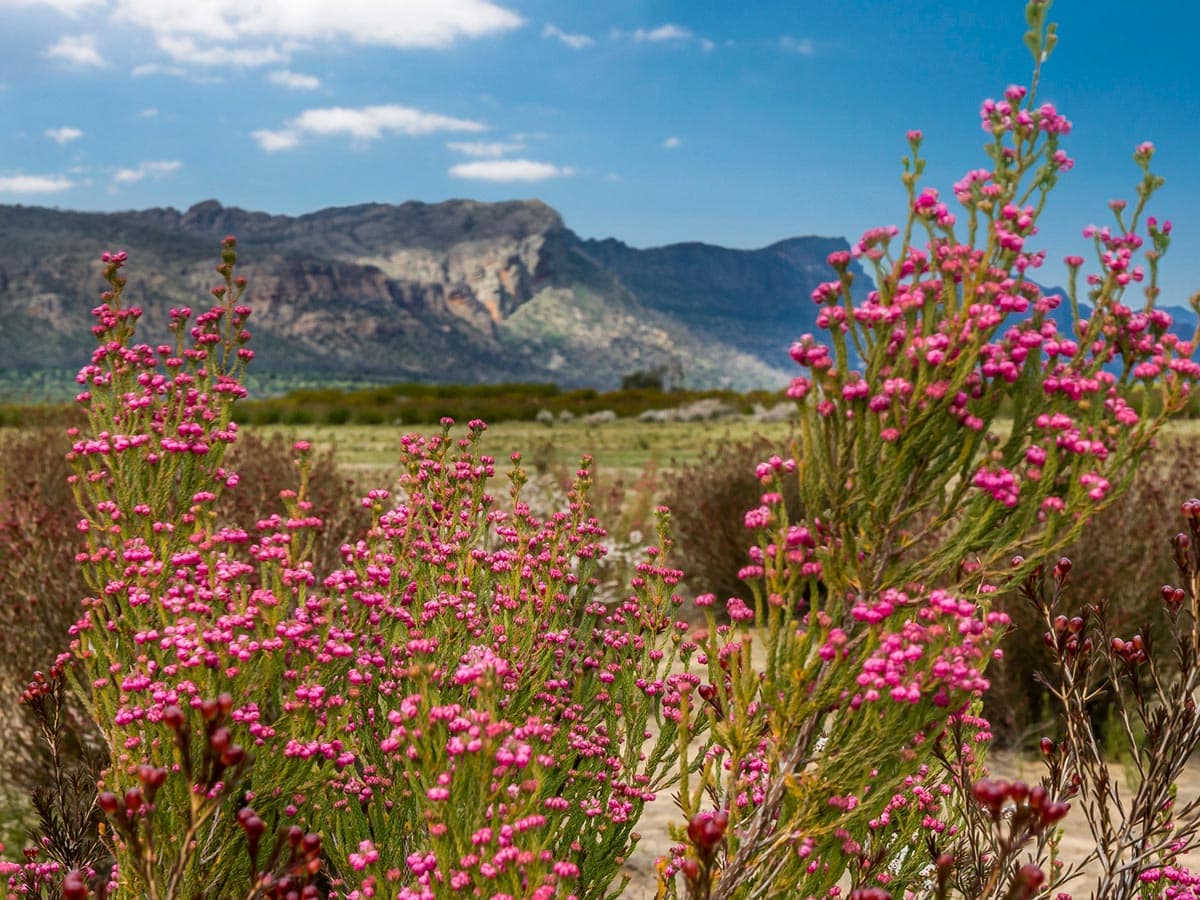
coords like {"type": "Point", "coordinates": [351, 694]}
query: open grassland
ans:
{"type": "Point", "coordinates": [620, 448]}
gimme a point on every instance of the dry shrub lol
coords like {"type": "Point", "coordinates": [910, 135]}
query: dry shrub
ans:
{"type": "Point", "coordinates": [708, 500]}
{"type": "Point", "coordinates": [1122, 559]}
{"type": "Point", "coordinates": [40, 584]}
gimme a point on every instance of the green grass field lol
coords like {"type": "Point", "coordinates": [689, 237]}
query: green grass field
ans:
{"type": "Point", "coordinates": [620, 448]}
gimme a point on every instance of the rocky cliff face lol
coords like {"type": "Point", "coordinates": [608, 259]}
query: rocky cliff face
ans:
{"type": "Point", "coordinates": [458, 291]}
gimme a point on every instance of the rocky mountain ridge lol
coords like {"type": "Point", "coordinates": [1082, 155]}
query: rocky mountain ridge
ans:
{"type": "Point", "coordinates": [460, 291]}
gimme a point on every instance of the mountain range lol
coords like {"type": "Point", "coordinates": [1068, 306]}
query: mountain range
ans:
{"type": "Point", "coordinates": [460, 291]}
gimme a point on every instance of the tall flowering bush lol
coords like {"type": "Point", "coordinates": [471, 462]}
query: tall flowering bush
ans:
{"type": "Point", "coordinates": [948, 427]}
{"type": "Point", "coordinates": [452, 711]}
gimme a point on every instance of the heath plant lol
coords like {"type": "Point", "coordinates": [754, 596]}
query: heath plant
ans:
{"type": "Point", "coordinates": [38, 535]}
{"type": "Point", "coordinates": [1120, 559]}
{"type": "Point", "coordinates": [833, 763]}
{"type": "Point", "coordinates": [1141, 825]}
{"type": "Point", "coordinates": [455, 708]}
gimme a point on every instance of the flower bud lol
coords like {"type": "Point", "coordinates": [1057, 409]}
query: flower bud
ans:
{"type": "Point", "coordinates": [74, 886]}
{"type": "Point", "coordinates": [133, 800]}
{"type": "Point", "coordinates": [220, 739]}
{"type": "Point", "coordinates": [172, 717]}
{"type": "Point", "coordinates": [1053, 812]}
{"type": "Point", "coordinates": [1030, 876]}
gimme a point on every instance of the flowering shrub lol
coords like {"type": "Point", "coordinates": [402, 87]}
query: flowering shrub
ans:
{"type": "Point", "coordinates": [455, 707]}
{"type": "Point", "coordinates": [453, 710]}
{"type": "Point", "coordinates": [38, 535]}
{"type": "Point", "coordinates": [848, 757]}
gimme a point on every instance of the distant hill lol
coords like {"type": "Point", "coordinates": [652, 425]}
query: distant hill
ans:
{"type": "Point", "coordinates": [755, 300]}
{"type": "Point", "coordinates": [460, 291]}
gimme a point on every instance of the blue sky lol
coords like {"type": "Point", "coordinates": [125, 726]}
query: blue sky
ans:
{"type": "Point", "coordinates": [736, 123]}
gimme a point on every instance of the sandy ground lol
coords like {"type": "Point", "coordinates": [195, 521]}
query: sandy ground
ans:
{"type": "Point", "coordinates": [1077, 840]}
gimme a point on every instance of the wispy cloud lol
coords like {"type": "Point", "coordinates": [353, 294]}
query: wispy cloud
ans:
{"type": "Point", "coordinates": [800, 46]}
{"type": "Point", "coordinates": [378, 22]}
{"type": "Point", "coordinates": [186, 52]}
{"type": "Point", "coordinates": [63, 135]}
{"type": "Point", "coordinates": [64, 7]}
{"type": "Point", "coordinates": [76, 50]}
{"type": "Point", "coordinates": [509, 170]}
{"type": "Point", "coordinates": [274, 141]}
{"type": "Point", "coordinates": [294, 81]}
{"type": "Point", "coordinates": [34, 184]}
{"type": "Point", "coordinates": [148, 113]}
{"type": "Point", "coordinates": [485, 148]}
{"type": "Point", "coordinates": [196, 76]}
{"type": "Point", "coordinates": [198, 39]}
{"type": "Point", "coordinates": [574, 41]}
{"type": "Point", "coordinates": [672, 143]}
{"type": "Point", "coordinates": [149, 169]}
{"type": "Point", "coordinates": [362, 124]}
{"type": "Point", "coordinates": [667, 32]}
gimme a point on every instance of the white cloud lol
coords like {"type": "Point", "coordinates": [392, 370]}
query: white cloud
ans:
{"type": "Point", "coordinates": [366, 123]}
{"type": "Point", "coordinates": [143, 70]}
{"type": "Point", "coordinates": [63, 135]}
{"type": "Point", "coordinates": [64, 7]}
{"type": "Point", "coordinates": [148, 113]}
{"type": "Point", "coordinates": [413, 23]}
{"type": "Point", "coordinates": [801, 46]}
{"type": "Point", "coordinates": [509, 170]}
{"type": "Point", "coordinates": [574, 41]}
{"type": "Point", "coordinates": [76, 50]}
{"type": "Point", "coordinates": [667, 32]}
{"type": "Point", "coordinates": [272, 141]}
{"type": "Point", "coordinates": [294, 81]}
{"type": "Point", "coordinates": [150, 169]}
{"type": "Point", "coordinates": [485, 148]}
{"type": "Point", "coordinates": [672, 142]}
{"type": "Point", "coordinates": [34, 184]}
{"type": "Point", "coordinates": [185, 51]}
{"type": "Point", "coordinates": [369, 123]}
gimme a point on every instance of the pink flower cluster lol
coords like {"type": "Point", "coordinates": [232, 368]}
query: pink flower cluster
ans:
{"type": "Point", "coordinates": [938, 652]}
{"type": "Point", "coordinates": [457, 678]}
